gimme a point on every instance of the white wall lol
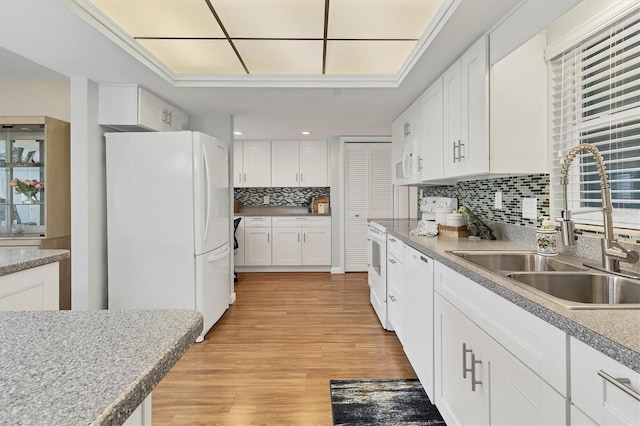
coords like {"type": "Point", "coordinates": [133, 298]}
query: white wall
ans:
{"type": "Point", "coordinates": [335, 183]}
{"type": "Point", "coordinates": [88, 200]}
{"type": "Point", "coordinates": [35, 98]}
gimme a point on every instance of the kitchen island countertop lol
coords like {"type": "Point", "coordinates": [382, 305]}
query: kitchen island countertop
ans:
{"type": "Point", "coordinates": [15, 260]}
{"type": "Point", "coordinates": [86, 367]}
{"type": "Point", "coordinates": [613, 332]}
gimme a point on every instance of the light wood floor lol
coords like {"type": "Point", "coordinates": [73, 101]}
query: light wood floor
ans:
{"type": "Point", "coordinates": [271, 356]}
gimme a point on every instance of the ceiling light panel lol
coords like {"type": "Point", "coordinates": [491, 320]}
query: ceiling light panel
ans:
{"type": "Point", "coordinates": [166, 18]}
{"type": "Point", "coordinates": [281, 56]}
{"type": "Point", "coordinates": [367, 57]}
{"type": "Point", "coordinates": [195, 56]}
{"type": "Point", "coordinates": [271, 18]}
{"type": "Point", "coordinates": [380, 19]}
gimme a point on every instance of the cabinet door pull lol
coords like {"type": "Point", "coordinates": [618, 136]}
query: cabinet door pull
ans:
{"type": "Point", "coordinates": [304, 237]}
{"type": "Point", "coordinates": [474, 382]}
{"type": "Point", "coordinates": [240, 177]}
{"type": "Point", "coordinates": [298, 237]}
{"type": "Point", "coordinates": [268, 238]}
{"type": "Point", "coordinates": [460, 153]}
{"type": "Point", "coordinates": [392, 261]}
{"type": "Point", "coordinates": [465, 370]}
{"type": "Point", "coordinates": [419, 163]}
{"type": "Point", "coordinates": [454, 152]}
{"type": "Point", "coordinates": [622, 384]}
{"type": "Point", "coordinates": [245, 178]}
{"type": "Point", "coordinates": [424, 259]}
{"type": "Point", "coordinates": [393, 299]}
{"type": "Point", "coordinates": [301, 178]}
{"type": "Point", "coordinates": [296, 178]}
{"type": "Point", "coordinates": [393, 240]}
{"type": "Point", "coordinates": [169, 118]}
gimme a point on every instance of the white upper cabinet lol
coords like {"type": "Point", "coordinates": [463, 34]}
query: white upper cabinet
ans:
{"type": "Point", "coordinates": [406, 140]}
{"type": "Point", "coordinates": [251, 165]}
{"type": "Point", "coordinates": [431, 162]}
{"type": "Point", "coordinates": [518, 110]}
{"type": "Point", "coordinates": [129, 107]}
{"type": "Point", "coordinates": [466, 113]}
{"type": "Point", "coordinates": [285, 163]}
{"type": "Point", "coordinates": [299, 163]}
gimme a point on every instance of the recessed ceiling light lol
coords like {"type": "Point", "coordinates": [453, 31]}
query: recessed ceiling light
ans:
{"type": "Point", "coordinates": [306, 132]}
{"type": "Point", "coordinates": [237, 133]}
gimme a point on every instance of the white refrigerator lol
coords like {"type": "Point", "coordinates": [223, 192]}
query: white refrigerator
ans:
{"type": "Point", "coordinates": [168, 222]}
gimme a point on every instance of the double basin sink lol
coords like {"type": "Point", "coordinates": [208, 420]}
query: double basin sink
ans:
{"type": "Point", "coordinates": [564, 280]}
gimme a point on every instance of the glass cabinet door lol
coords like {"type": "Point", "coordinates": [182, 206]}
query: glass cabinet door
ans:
{"type": "Point", "coordinates": [22, 186]}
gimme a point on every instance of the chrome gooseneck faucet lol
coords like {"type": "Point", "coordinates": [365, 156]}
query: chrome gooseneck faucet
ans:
{"type": "Point", "coordinates": [612, 252]}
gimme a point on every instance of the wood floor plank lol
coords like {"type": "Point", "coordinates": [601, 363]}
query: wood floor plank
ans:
{"type": "Point", "coordinates": [269, 359]}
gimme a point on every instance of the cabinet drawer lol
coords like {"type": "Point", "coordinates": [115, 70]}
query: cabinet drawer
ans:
{"type": "Point", "coordinates": [597, 396]}
{"type": "Point", "coordinates": [395, 247]}
{"type": "Point", "coordinates": [257, 221]}
{"type": "Point", "coordinates": [301, 221]}
{"type": "Point", "coordinates": [539, 345]}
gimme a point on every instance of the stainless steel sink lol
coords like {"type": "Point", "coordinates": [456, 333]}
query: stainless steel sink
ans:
{"type": "Point", "coordinates": [583, 290]}
{"type": "Point", "coordinates": [563, 279]}
{"type": "Point", "coordinates": [516, 261]}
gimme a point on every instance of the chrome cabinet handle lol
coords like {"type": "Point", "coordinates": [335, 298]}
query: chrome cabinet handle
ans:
{"type": "Point", "coordinates": [393, 299]}
{"type": "Point", "coordinates": [240, 177]}
{"type": "Point", "coordinates": [392, 261]}
{"type": "Point", "coordinates": [465, 370]}
{"type": "Point", "coordinates": [460, 153]}
{"type": "Point", "coordinates": [392, 240]}
{"type": "Point", "coordinates": [301, 177]}
{"type": "Point", "coordinates": [622, 384]}
{"type": "Point", "coordinates": [357, 215]}
{"type": "Point", "coordinates": [298, 237]}
{"type": "Point", "coordinates": [169, 117]}
{"type": "Point", "coordinates": [419, 163]}
{"type": "Point", "coordinates": [245, 178]}
{"type": "Point", "coordinates": [268, 237]}
{"type": "Point", "coordinates": [454, 152]}
{"type": "Point", "coordinates": [296, 177]}
{"type": "Point", "coordinates": [474, 382]}
{"type": "Point", "coordinates": [424, 259]}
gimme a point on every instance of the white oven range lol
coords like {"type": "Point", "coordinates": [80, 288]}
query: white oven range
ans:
{"type": "Point", "coordinates": [377, 272]}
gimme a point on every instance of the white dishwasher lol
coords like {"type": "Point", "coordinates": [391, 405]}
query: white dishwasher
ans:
{"type": "Point", "coordinates": [418, 320]}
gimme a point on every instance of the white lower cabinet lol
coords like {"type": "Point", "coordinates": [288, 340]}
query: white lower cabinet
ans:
{"type": "Point", "coordinates": [417, 339]}
{"type": "Point", "coordinates": [301, 241]}
{"type": "Point", "coordinates": [603, 391]}
{"type": "Point", "coordinates": [480, 382]}
{"type": "Point", "coordinates": [257, 240]}
{"type": "Point", "coordinates": [395, 287]}
{"type": "Point", "coordinates": [287, 246]}
{"type": "Point", "coordinates": [35, 289]}
{"type": "Point", "coordinates": [316, 245]}
{"type": "Point", "coordinates": [495, 363]}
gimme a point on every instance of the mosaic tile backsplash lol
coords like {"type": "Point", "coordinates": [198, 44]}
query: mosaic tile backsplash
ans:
{"type": "Point", "coordinates": [279, 196]}
{"type": "Point", "coordinates": [479, 196]}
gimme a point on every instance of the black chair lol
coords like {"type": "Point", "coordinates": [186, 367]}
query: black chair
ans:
{"type": "Point", "coordinates": [236, 222]}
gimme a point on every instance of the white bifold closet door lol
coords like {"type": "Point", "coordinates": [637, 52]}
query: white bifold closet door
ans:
{"type": "Point", "coordinates": [368, 194]}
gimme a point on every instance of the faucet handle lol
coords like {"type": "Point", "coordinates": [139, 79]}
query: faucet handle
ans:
{"type": "Point", "coordinates": [618, 252]}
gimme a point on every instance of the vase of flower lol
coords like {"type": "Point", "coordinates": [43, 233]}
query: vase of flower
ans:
{"type": "Point", "coordinates": [29, 188]}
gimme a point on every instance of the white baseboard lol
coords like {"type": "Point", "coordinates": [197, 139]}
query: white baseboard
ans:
{"type": "Point", "coordinates": [337, 270]}
{"type": "Point", "coordinates": [283, 268]}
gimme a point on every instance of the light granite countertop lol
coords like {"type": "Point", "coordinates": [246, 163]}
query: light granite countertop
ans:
{"type": "Point", "coordinates": [15, 260]}
{"type": "Point", "coordinates": [86, 367]}
{"type": "Point", "coordinates": [614, 332]}
{"type": "Point", "coordinates": [277, 211]}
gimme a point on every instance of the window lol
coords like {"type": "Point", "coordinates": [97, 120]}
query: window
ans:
{"type": "Point", "coordinates": [596, 100]}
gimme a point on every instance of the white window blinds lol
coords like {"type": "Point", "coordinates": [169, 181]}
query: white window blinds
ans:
{"type": "Point", "coordinates": [596, 99]}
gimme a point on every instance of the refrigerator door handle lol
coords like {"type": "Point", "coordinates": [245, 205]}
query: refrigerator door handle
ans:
{"type": "Point", "coordinates": [207, 178]}
{"type": "Point", "coordinates": [218, 256]}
